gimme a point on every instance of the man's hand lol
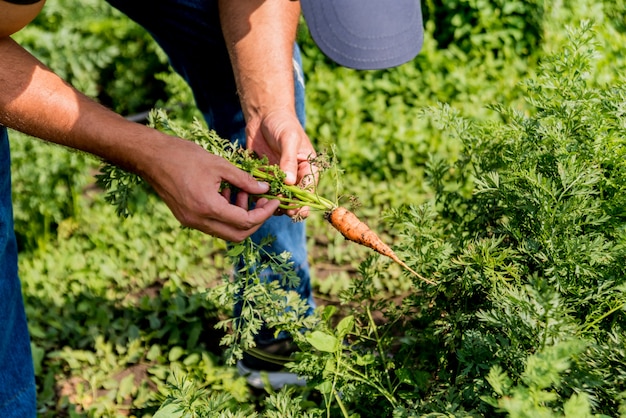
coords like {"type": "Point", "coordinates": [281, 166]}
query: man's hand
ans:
{"type": "Point", "coordinates": [189, 181]}
{"type": "Point", "coordinates": [280, 137]}
{"type": "Point", "coordinates": [260, 36]}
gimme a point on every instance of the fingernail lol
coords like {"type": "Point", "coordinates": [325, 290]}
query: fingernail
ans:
{"type": "Point", "coordinates": [263, 185]}
{"type": "Point", "coordinates": [290, 178]}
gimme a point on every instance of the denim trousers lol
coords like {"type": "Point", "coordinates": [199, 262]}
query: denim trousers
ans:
{"type": "Point", "coordinates": [17, 377]}
{"type": "Point", "coordinates": [190, 34]}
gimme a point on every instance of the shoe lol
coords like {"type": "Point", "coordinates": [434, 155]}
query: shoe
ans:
{"type": "Point", "coordinates": [265, 364]}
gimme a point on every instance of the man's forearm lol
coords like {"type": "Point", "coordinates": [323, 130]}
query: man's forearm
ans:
{"type": "Point", "coordinates": [260, 35]}
{"type": "Point", "coordinates": [35, 101]}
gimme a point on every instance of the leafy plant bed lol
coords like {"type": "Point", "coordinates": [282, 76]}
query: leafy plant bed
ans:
{"type": "Point", "coordinates": [527, 314]}
{"type": "Point", "coordinates": [521, 226]}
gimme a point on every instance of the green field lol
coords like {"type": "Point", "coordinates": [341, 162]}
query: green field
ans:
{"type": "Point", "coordinates": [494, 163]}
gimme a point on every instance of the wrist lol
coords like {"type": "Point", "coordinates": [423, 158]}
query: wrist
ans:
{"type": "Point", "coordinates": [266, 95]}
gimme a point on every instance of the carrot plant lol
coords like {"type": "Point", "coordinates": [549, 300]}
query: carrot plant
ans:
{"type": "Point", "coordinates": [525, 236]}
{"type": "Point", "coordinates": [120, 185]}
{"type": "Point", "coordinates": [535, 249]}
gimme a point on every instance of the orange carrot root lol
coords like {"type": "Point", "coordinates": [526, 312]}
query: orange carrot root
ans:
{"type": "Point", "coordinates": [353, 229]}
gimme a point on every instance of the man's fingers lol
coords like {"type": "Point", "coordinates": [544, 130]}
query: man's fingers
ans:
{"type": "Point", "coordinates": [235, 223]}
{"type": "Point", "coordinates": [241, 200]}
{"type": "Point", "coordinates": [252, 220]}
{"type": "Point", "coordinates": [264, 209]}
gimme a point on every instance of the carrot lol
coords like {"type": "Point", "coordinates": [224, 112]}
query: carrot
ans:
{"type": "Point", "coordinates": [353, 229]}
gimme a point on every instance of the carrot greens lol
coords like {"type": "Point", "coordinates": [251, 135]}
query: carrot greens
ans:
{"type": "Point", "coordinates": [290, 196]}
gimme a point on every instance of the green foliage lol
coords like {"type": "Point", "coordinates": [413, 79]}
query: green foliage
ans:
{"type": "Point", "coordinates": [476, 26]}
{"type": "Point", "coordinates": [532, 397]}
{"type": "Point", "coordinates": [118, 299]}
{"type": "Point", "coordinates": [537, 247]}
{"type": "Point", "coordinates": [50, 180]}
{"type": "Point", "coordinates": [188, 401]}
{"type": "Point", "coordinates": [125, 191]}
{"type": "Point", "coordinates": [274, 303]}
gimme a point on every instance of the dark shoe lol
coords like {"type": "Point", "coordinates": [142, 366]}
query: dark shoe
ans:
{"type": "Point", "coordinates": [266, 364]}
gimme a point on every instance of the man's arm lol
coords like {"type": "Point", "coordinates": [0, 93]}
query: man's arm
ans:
{"type": "Point", "coordinates": [260, 36]}
{"type": "Point", "coordinates": [37, 102]}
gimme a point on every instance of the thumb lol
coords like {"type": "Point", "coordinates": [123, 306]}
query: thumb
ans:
{"type": "Point", "coordinates": [289, 162]}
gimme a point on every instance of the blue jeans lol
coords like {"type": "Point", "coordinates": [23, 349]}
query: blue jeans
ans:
{"type": "Point", "coordinates": [17, 377]}
{"type": "Point", "coordinates": [189, 32]}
